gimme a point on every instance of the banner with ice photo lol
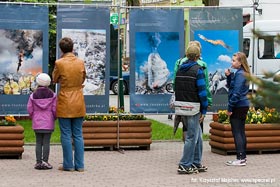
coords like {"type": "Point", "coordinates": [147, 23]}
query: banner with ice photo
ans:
{"type": "Point", "coordinates": [23, 54]}
{"type": "Point", "coordinates": [89, 28]}
{"type": "Point", "coordinates": [156, 42]}
{"type": "Point", "coordinates": [219, 30]}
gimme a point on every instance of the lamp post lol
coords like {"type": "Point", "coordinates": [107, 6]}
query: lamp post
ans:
{"type": "Point", "coordinates": [255, 5]}
{"type": "Point", "coordinates": [256, 2]}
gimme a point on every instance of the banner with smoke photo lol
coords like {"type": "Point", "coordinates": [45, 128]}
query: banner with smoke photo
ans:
{"type": "Point", "coordinates": [156, 42]}
{"type": "Point", "coordinates": [23, 54]}
{"type": "Point", "coordinates": [89, 28]}
{"type": "Point", "coordinates": [219, 30]}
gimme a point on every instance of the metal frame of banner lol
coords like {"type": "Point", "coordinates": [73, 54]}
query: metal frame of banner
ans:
{"type": "Point", "coordinates": [120, 79]}
{"type": "Point", "coordinates": [119, 9]}
{"type": "Point", "coordinates": [120, 6]}
{"type": "Point", "coordinates": [119, 43]}
{"type": "Point", "coordinates": [120, 85]}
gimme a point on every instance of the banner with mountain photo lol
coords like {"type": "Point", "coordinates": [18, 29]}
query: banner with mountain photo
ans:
{"type": "Point", "coordinates": [156, 42]}
{"type": "Point", "coordinates": [219, 30]}
{"type": "Point", "coordinates": [89, 28]}
{"type": "Point", "coordinates": [24, 52]}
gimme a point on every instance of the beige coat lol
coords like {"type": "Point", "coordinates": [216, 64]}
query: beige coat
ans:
{"type": "Point", "coordinates": [70, 72]}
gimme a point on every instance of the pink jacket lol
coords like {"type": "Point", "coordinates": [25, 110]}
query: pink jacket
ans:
{"type": "Point", "coordinates": [42, 112]}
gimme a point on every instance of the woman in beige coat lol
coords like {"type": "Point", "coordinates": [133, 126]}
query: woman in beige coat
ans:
{"type": "Point", "coordinates": [69, 72]}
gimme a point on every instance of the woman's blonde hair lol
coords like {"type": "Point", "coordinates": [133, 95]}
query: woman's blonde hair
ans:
{"type": "Point", "coordinates": [241, 57]}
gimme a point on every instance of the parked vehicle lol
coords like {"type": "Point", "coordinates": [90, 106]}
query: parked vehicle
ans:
{"type": "Point", "coordinates": [114, 83]}
{"type": "Point", "coordinates": [266, 49]}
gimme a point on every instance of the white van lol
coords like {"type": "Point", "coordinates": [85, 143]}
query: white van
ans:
{"type": "Point", "coordinates": [267, 46]}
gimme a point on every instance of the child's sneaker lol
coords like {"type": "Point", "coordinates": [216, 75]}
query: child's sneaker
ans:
{"type": "Point", "coordinates": [38, 166]}
{"type": "Point", "coordinates": [241, 162]}
{"type": "Point", "coordinates": [200, 168]}
{"type": "Point", "coordinates": [185, 170]}
{"type": "Point", "coordinates": [46, 165]}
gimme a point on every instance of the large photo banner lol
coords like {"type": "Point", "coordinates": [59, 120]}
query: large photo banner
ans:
{"type": "Point", "coordinates": [89, 28]}
{"type": "Point", "coordinates": [219, 30]}
{"type": "Point", "coordinates": [23, 54]}
{"type": "Point", "coordinates": [156, 42]}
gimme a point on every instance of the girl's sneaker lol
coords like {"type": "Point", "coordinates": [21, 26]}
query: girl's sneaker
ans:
{"type": "Point", "coordinates": [241, 162]}
{"type": "Point", "coordinates": [38, 166]}
{"type": "Point", "coordinates": [46, 165]}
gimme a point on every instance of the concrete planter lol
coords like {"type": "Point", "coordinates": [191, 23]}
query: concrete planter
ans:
{"type": "Point", "coordinates": [104, 133]}
{"type": "Point", "coordinates": [260, 137]}
{"type": "Point", "coordinates": [11, 141]}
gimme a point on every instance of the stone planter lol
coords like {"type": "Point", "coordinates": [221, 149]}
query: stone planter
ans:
{"type": "Point", "coordinates": [11, 141]}
{"type": "Point", "coordinates": [260, 137]}
{"type": "Point", "coordinates": [131, 133]}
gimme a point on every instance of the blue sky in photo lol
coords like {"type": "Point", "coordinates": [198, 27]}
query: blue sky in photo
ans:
{"type": "Point", "coordinates": [218, 57]}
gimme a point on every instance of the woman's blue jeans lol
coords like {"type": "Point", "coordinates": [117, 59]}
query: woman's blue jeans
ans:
{"type": "Point", "coordinates": [238, 132]}
{"type": "Point", "coordinates": [192, 153]}
{"type": "Point", "coordinates": [71, 129]}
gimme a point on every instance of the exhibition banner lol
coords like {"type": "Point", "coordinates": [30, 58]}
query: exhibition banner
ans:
{"type": "Point", "coordinates": [156, 42]}
{"type": "Point", "coordinates": [219, 30]}
{"type": "Point", "coordinates": [89, 28]}
{"type": "Point", "coordinates": [24, 52]}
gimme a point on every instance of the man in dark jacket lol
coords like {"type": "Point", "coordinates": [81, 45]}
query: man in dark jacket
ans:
{"type": "Point", "coordinates": [190, 87]}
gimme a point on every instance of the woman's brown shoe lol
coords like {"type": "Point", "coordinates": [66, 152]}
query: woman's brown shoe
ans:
{"type": "Point", "coordinates": [63, 169]}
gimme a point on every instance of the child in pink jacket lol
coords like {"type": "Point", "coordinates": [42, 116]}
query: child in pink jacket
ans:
{"type": "Point", "coordinates": [41, 107]}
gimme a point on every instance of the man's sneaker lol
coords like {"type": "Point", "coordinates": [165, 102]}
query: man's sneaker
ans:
{"type": "Point", "coordinates": [185, 170]}
{"type": "Point", "coordinates": [46, 165]}
{"type": "Point", "coordinates": [200, 168]}
{"type": "Point", "coordinates": [241, 162]}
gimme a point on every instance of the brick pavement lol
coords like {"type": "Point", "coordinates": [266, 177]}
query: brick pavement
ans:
{"type": "Point", "coordinates": [141, 168]}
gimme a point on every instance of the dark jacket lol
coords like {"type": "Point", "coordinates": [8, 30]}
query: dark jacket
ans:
{"type": "Point", "coordinates": [190, 85]}
{"type": "Point", "coordinates": [238, 89]}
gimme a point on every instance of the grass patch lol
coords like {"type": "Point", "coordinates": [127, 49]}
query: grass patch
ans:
{"type": "Point", "coordinates": [160, 131]}
{"type": "Point", "coordinates": [29, 135]}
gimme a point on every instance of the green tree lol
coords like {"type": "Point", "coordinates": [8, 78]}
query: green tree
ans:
{"type": "Point", "coordinates": [52, 36]}
{"type": "Point", "coordinates": [133, 3]}
{"type": "Point", "coordinates": [267, 92]}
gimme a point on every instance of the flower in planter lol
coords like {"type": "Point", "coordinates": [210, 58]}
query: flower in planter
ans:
{"type": "Point", "coordinates": [113, 109]}
{"type": "Point", "coordinates": [8, 120]}
{"type": "Point", "coordinates": [113, 116]}
{"type": "Point", "coordinates": [223, 117]}
{"type": "Point", "coordinates": [267, 115]}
